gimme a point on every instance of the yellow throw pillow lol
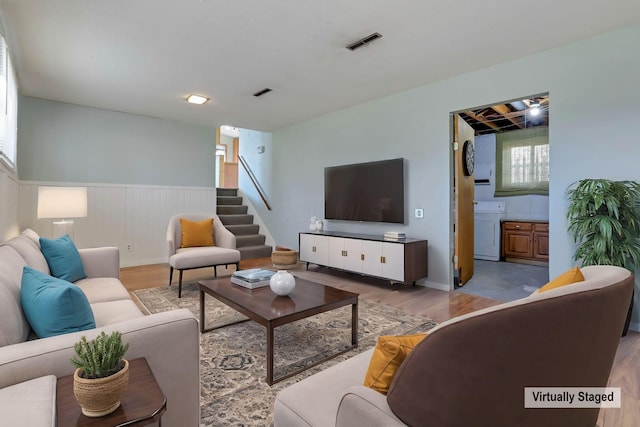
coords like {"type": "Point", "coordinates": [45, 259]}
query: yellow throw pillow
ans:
{"type": "Point", "coordinates": [196, 233]}
{"type": "Point", "coordinates": [568, 277]}
{"type": "Point", "coordinates": [387, 357]}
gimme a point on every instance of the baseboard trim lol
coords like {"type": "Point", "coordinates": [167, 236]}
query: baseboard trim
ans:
{"type": "Point", "coordinates": [434, 285]}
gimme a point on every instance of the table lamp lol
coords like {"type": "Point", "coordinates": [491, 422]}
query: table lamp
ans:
{"type": "Point", "coordinates": [62, 203]}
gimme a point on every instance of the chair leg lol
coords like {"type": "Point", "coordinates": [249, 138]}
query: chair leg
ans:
{"type": "Point", "coordinates": [215, 271]}
{"type": "Point", "coordinates": [237, 264]}
{"type": "Point", "coordinates": [170, 275]}
{"type": "Point", "coordinates": [180, 286]}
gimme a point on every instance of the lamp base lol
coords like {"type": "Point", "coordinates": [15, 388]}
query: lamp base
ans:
{"type": "Point", "coordinates": [60, 228]}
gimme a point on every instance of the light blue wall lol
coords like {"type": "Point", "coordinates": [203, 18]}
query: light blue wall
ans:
{"type": "Point", "coordinates": [261, 166]}
{"type": "Point", "coordinates": [594, 92]}
{"type": "Point", "coordinates": [62, 142]}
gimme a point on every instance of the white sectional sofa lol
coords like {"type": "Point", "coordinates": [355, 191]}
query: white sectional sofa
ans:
{"type": "Point", "coordinates": [29, 365]}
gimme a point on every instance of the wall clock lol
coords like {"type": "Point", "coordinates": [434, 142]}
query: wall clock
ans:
{"type": "Point", "coordinates": [468, 158]}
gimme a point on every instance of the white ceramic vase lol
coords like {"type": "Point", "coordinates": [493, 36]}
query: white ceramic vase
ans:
{"type": "Point", "coordinates": [282, 283]}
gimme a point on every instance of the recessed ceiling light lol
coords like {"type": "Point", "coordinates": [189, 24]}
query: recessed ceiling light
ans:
{"type": "Point", "coordinates": [197, 99]}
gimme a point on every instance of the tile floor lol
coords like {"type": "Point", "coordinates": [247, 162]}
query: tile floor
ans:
{"type": "Point", "coordinates": [504, 281]}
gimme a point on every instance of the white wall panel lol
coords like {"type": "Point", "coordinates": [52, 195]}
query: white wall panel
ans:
{"type": "Point", "coordinates": [123, 215]}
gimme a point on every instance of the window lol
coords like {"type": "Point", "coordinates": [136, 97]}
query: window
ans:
{"type": "Point", "coordinates": [522, 162]}
{"type": "Point", "coordinates": [8, 108]}
{"type": "Point", "coordinates": [221, 150]}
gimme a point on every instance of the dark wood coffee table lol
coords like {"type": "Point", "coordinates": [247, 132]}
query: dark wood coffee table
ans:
{"type": "Point", "coordinates": [270, 310]}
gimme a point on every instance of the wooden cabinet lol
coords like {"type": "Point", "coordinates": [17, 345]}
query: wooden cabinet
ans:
{"type": "Point", "coordinates": [314, 248]}
{"type": "Point", "coordinates": [525, 241]}
{"type": "Point", "coordinates": [384, 259]}
{"type": "Point", "coordinates": [541, 241]}
{"type": "Point", "coordinates": [402, 261]}
{"type": "Point", "coordinates": [345, 254]}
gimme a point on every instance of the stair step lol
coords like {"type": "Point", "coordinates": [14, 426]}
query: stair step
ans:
{"type": "Point", "coordinates": [231, 209]}
{"type": "Point", "coordinates": [227, 191]}
{"type": "Point", "coordinates": [250, 240]}
{"type": "Point", "coordinates": [233, 214]}
{"type": "Point", "coordinates": [243, 229]}
{"type": "Point", "coordinates": [229, 200]}
{"type": "Point", "coordinates": [258, 251]}
{"type": "Point", "coordinates": [236, 219]}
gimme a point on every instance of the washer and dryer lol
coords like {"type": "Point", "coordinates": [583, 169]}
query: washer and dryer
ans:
{"type": "Point", "coordinates": [486, 225]}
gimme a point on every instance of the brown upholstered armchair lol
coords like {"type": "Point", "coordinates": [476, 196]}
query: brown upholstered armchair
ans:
{"type": "Point", "coordinates": [472, 370]}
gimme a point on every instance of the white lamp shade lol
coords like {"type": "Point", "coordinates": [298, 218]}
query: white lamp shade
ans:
{"type": "Point", "coordinates": [62, 202]}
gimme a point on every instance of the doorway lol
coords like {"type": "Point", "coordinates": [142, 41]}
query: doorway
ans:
{"type": "Point", "coordinates": [227, 149]}
{"type": "Point", "coordinates": [494, 276]}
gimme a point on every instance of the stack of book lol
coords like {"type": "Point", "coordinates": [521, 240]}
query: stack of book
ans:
{"type": "Point", "coordinates": [394, 235]}
{"type": "Point", "coordinates": [252, 278]}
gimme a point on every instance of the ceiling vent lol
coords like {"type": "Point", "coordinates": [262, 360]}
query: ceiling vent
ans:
{"type": "Point", "coordinates": [364, 41]}
{"type": "Point", "coordinates": [262, 92]}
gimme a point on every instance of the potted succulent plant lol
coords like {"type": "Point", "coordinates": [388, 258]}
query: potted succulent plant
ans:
{"type": "Point", "coordinates": [101, 374]}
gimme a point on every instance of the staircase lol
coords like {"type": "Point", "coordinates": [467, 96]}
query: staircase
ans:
{"type": "Point", "coordinates": [233, 214]}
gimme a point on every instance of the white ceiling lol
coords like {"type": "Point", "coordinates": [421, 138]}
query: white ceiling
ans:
{"type": "Point", "coordinates": [146, 56]}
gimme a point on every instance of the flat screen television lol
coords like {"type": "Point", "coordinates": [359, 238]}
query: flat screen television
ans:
{"type": "Point", "coordinates": [372, 192]}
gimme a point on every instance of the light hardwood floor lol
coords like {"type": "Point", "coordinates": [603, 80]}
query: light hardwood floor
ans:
{"type": "Point", "coordinates": [435, 304]}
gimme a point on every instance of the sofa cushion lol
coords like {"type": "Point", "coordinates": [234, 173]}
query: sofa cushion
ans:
{"type": "Point", "coordinates": [110, 312]}
{"type": "Point", "coordinates": [314, 400]}
{"type": "Point", "coordinates": [28, 249]}
{"type": "Point", "coordinates": [30, 403]}
{"type": "Point", "coordinates": [188, 258]}
{"type": "Point", "coordinates": [63, 258]}
{"type": "Point", "coordinates": [54, 306]}
{"type": "Point", "coordinates": [388, 355]}
{"type": "Point", "coordinates": [196, 233]}
{"type": "Point", "coordinates": [568, 277]}
{"type": "Point", "coordinates": [14, 327]}
{"type": "Point", "coordinates": [103, 289]}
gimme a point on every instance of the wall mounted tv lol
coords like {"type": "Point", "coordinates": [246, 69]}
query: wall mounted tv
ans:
{"type": "Point", "coordinates": [372, 192]}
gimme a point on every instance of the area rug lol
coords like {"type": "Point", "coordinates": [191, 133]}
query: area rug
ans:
{"type": "Point", "coordinates": [233, 358]}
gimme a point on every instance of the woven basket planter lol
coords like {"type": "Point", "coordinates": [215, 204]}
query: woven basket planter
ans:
{"type": "Point", "coordinates": [284, 258]}
{"type": "Point", "coordinates": [100, 396]}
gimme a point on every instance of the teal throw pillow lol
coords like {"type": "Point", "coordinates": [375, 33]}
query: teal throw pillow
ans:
{"type": "Point", "coordinates": [63, 258]}
{"type": "Point", "coordinates": [53, 306]}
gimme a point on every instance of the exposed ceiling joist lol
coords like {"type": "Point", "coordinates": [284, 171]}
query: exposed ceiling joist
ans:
{"type": "Point", "coordinates": [504, 111]}
{"type": "Point", "coordinates": [480, 118]}
{"type": "Point", "coordinates": [508, 116]}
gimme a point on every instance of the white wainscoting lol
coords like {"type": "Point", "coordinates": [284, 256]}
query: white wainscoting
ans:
{"type": "Point", "coordinates": [122, 215]}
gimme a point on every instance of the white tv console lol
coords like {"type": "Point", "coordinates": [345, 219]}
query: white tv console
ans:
{"type": "Point", "coordinates": [403, 260]}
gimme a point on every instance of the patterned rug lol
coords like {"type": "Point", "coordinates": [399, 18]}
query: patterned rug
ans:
{"type": "Point", "coordinates": [233, 358]}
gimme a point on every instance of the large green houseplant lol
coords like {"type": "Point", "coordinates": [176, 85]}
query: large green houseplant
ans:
{"type": "Point", "coordinates": [101, 374]}
{"type": "Point", "coordinates": [604, 219]}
